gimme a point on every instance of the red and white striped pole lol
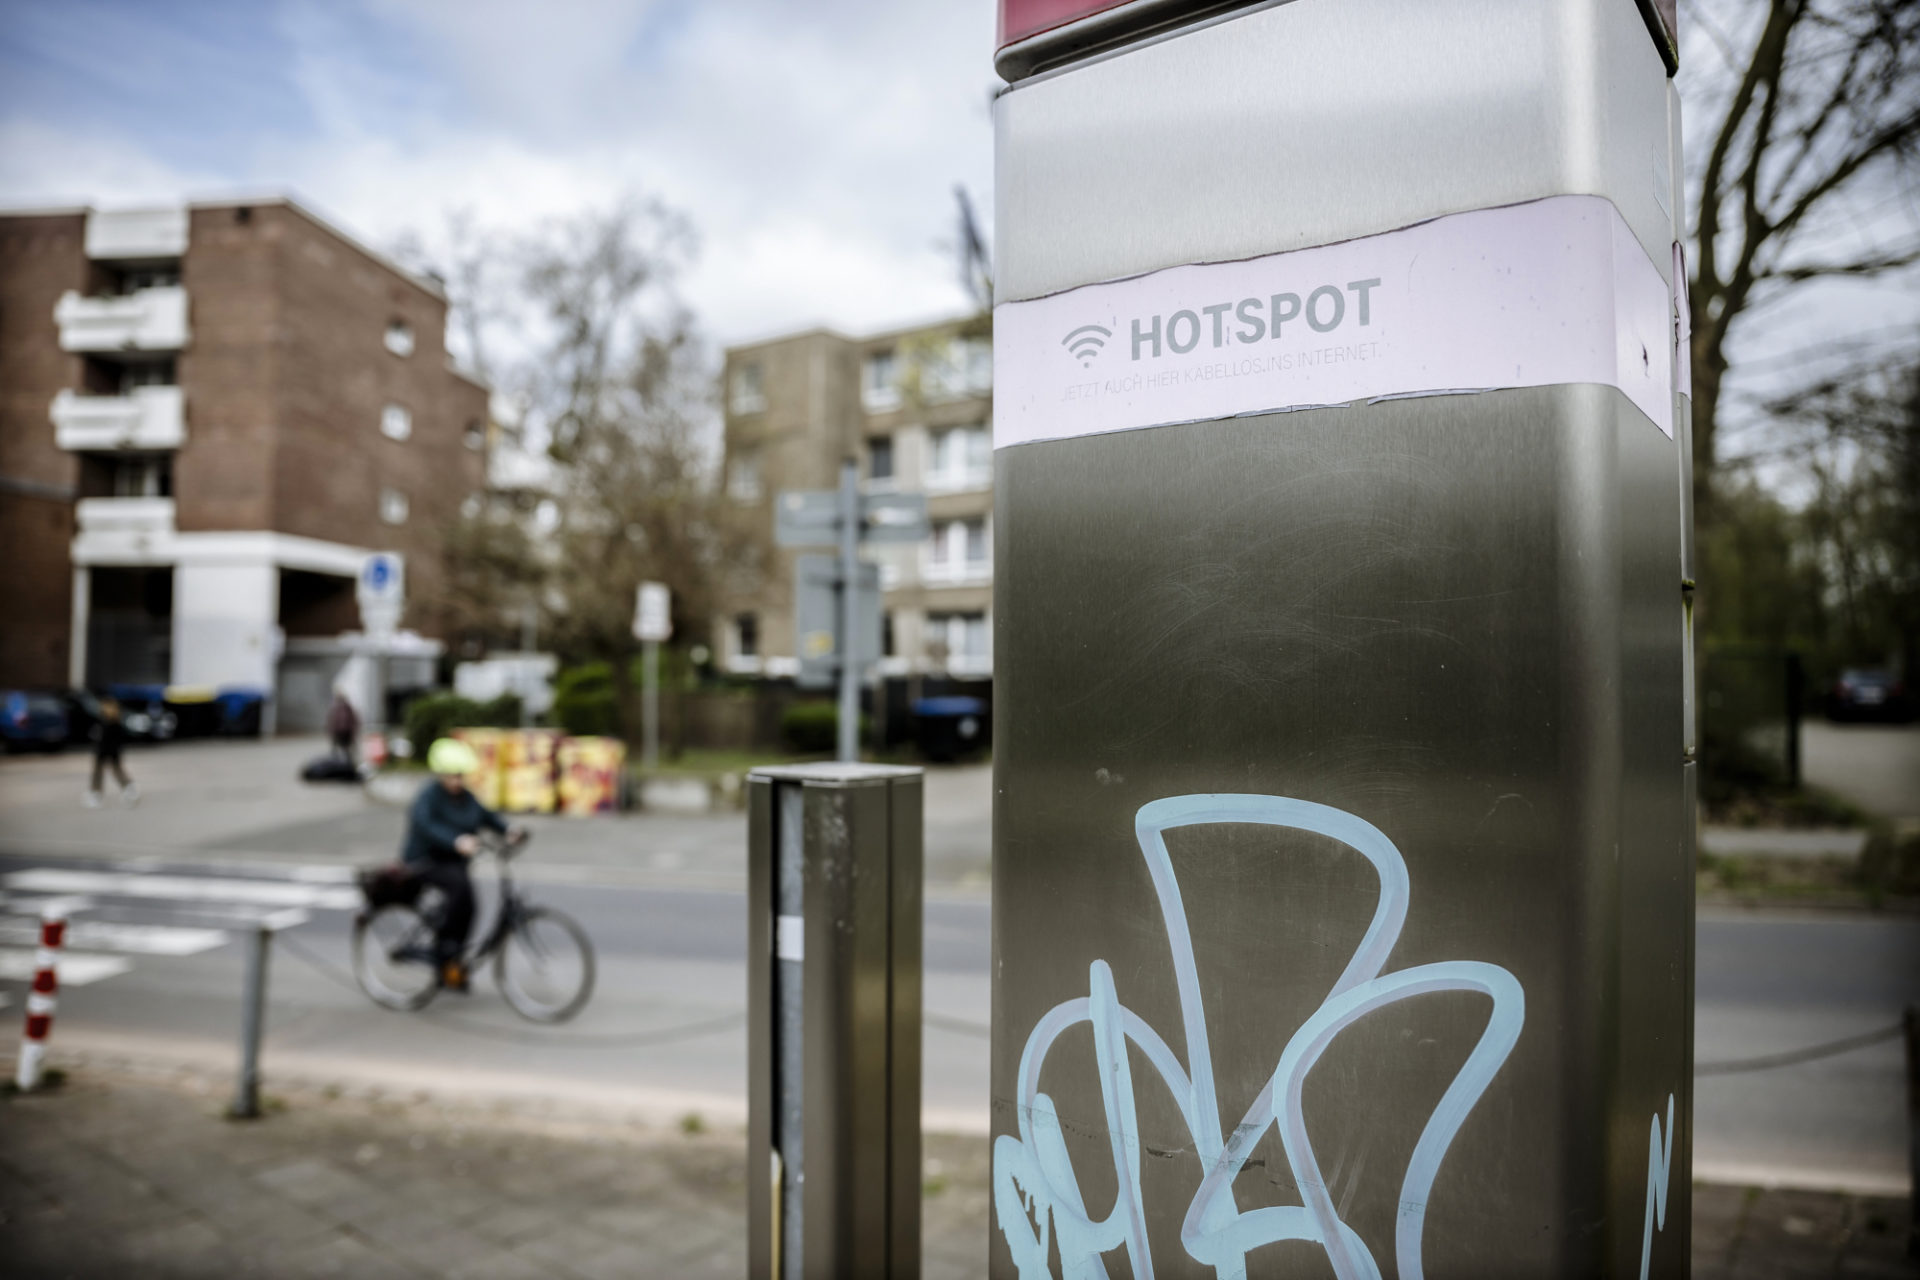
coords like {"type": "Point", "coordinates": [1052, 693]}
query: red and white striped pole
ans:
{"type": "Point", "coordinates": [41, 997]}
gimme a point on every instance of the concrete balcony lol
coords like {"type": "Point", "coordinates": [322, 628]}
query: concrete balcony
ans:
{"type": "Point", "coordinates": [142, 235]}
{"type": "Point", "coordinates": [149, 419]}
{"type": "Point", "coordinates": [149, 320]}
{"type": "Point", "coordinates": [130, 519]}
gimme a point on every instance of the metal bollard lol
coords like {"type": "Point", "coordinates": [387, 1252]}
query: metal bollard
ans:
{"type": "Point", "coordinates": [253, 1011]}
{"type": "Point", "coordinates": [42, 998]}
{"type": "Point", "coordinates": [833, 1042]}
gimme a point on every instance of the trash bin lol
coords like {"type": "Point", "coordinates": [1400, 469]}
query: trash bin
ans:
{"type": "Point", "coordinates": [950, 728]}
{"type": "Point", "coordinates": [239, 711]}
{"type": "Point", "coordinates": [195, 714]}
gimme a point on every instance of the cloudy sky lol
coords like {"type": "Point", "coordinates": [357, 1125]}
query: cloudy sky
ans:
{"type": "Point", "coordinates": [815, 146]}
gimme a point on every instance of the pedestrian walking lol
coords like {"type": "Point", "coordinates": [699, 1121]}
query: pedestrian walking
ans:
{"type": "Point", "coordinates": [109, 736]}
{"type": "Point", "coordinates": [343, 726]}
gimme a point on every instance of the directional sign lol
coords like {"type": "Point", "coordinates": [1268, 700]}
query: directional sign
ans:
{"type": "Point", "coordinates": [807, 518]}
{"type": "Point", "coordinates": [817, 619]}
{"type": "Point", "coordinates": [811, 518]}
{"type": "Point", "coordinates": [894, 517]}
{"type": "Point", "coordinates": [653, 612]}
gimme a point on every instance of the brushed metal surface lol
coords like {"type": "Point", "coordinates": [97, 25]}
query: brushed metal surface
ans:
{"type": "Point", "coordinates": [1455, 618]}
{"type": "Point", "coordinates": [1322, 120]}
{"type": "Point", "coordinates": [843, 1068]}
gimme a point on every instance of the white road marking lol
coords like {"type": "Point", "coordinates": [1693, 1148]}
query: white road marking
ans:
{"type": "Point", "coordinates": [264, 893]}
{"type": "Point", "coordinates": [128, 939]}
{"type": "Point", "coordinates": [75, 969]}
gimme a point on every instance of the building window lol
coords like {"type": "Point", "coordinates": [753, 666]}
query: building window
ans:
{"type": "Point", "coordinates": [959, 552]}
{"type": "Point", "coordinates": [886, 635]}
{"type": "Point", "coordinates": [962, 367]}
{"type": "Point", "coordinates": [138, 278]}
{"type": "Point", "coordinates": [396, 423]}
{"type": "Point", "coordinates": [393, 506]}
{"type": "Point", "coordinates": [743, 477]}
{"type": "Point", "coordinates": [475, 436]}
{"type": "Point", "coordinates": [880, 459]}
{"type": "Point", "coordinates": [746, 636]}
{"type": "Point", "coordinates": [960, 640]}
{"type": "Point", "coordinates": [880, 384]}
{"type": "Point", "coordinates": [140, 475]}
{"type": "Point", "coordinates": [399, 338]}
{"type": "Point", "coordinates": [747, 394]}
{"type": "Point", "coordinates": [147, 373]}
{"type": "Point", "coordinates": [962, 459]}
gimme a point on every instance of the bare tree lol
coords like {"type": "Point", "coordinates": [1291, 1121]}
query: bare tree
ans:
{"type": "Point", "coordinates": [612, 385]}
{"type": "Point", "coordinates": [1808, 173]}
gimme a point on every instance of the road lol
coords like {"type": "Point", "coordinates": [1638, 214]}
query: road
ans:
{"type": "Point", "coordinates": [664, 1034]}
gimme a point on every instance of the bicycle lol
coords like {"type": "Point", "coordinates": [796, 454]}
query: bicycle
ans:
{"type": "Point", "coordinates": [542, 958]}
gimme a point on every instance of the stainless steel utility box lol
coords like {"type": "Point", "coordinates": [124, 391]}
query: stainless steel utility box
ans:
{"type": "Point", "coordinates": [834, 892]}
{"type": "Point", "coordinates": [1343, 854]}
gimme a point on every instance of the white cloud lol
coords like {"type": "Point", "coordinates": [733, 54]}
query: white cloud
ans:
{"type": "Point", "coordinates": [814, 147]}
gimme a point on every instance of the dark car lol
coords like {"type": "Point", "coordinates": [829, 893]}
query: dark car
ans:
{"type": "Point", "coordinates": [143, 709]}
{"type": "Point", "coordinates": [29, 719]}
{"type": "Point", "coordinates": [83, 713]}
{"type": "Point", "coordinates": [1867, 693]}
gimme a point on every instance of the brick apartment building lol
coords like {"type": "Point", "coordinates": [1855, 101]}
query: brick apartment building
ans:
{"type": "Point", "coordinates": [914, 407]}
{"type": "Point", "coordinates": [209, 416]}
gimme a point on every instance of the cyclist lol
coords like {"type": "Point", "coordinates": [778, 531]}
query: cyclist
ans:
{"type": "Point", "coordinates": [441, 839]}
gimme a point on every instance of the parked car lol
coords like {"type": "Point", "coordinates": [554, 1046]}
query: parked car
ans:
{"type": "Point", "coordinates": [83, 713]}
{"type": "Point", "coordinates": [31, 719]}
{"type": "Point", "coordinates": [1868, 693]}
{"type": "Point", "coordinates": [144, 707]}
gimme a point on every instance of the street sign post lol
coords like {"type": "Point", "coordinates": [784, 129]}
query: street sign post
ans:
{"type": "Point", "coordinates": [1343, 833]}
{"type": "Point", "coordinates": [381, 592]}
{"type": "Point", "coordinates": [652, 623]}
{"type": "Point", "coordinates": [818, 609]}
{"type": "Point", "coordinates": [837, 600]}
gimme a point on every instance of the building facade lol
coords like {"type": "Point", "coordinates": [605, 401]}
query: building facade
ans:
{"type": "Point", "coordinates": [209, 416]}
{"type": "Point", "coordinates": [914, 407]}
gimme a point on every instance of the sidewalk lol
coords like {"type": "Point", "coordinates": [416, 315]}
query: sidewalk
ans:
{"type": "Point", "coordinates": [118, 1173]}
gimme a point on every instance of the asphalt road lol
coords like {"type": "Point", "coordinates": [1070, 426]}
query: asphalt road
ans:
{"type": "Point", "coordinates": [664, 1034]}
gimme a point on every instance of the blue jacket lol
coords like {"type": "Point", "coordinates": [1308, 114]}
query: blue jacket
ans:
{"type": "Point", "coordinates": [437, 818]}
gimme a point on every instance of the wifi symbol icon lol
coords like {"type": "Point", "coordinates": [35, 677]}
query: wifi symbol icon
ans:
{"type": "Point", "coordinates": [1086, 341]}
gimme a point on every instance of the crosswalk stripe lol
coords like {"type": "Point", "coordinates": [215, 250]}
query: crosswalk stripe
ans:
{"type": "Point", "coordinates": [128, 939]}
{"type": "Point", "coordinates": [76, 969]}
{"type": "Point", "coordinates": [185, 888]}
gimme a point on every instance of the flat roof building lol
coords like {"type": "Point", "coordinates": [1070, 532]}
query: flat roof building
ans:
{"type": "Point", "coordinates": [914, 406]}
{"type": "Point", "coordinates": [210, 415]}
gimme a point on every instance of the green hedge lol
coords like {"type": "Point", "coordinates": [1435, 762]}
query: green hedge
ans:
{"type": "Point", "coordinates": [813, 728]}
{"type": "Point", "coordinates": [433, 715]}
{"type": "Point", "coordinates": [583, 701]}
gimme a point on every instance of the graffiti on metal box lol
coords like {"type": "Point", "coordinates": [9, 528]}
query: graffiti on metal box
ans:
{"type": "Point", "coordinates": [1037, 1195]}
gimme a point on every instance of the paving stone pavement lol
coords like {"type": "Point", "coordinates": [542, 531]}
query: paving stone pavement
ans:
{"type": "Point", "coordinates": [121, 1173]}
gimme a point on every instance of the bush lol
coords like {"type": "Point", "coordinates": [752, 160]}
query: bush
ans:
{"type": "Point", "coordinates": [432, 716]}
{"type": "Point", "coordinates": [813, 728]}
{"type": "Point", "coordinates": [584, 703]}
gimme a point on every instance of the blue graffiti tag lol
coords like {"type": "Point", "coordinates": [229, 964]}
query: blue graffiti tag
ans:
{"type": "Point", "coordinates": [1659, 1171]}
{"type": "Point", "coordinates": [1035, 1191]}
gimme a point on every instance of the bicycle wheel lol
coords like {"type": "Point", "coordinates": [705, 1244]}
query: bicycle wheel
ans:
{"type": "Point", "coordinates": [545, 966]}
{"type": "Point", "coordinates": [393, 957]}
